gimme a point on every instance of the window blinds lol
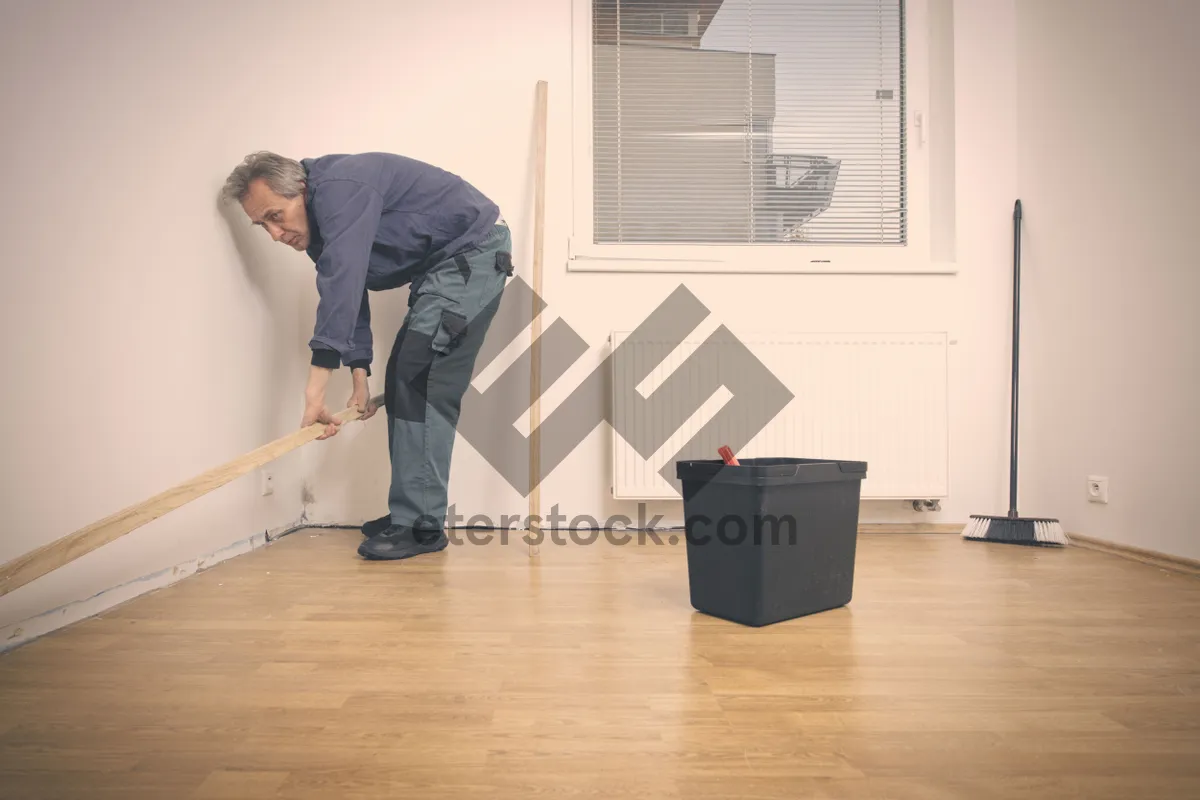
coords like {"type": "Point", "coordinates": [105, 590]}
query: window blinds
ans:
{"type": "Point", "coordinates": [748, 121]}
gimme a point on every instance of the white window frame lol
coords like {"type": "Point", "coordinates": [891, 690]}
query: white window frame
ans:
{"type": "Point", "coordinates": [583, 255]}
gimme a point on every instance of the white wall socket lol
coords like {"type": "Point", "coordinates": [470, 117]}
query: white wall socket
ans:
{"type": "Point", "coordinates": [268, 482]}
{"type": "Point", "coordinates": [1097, 489]}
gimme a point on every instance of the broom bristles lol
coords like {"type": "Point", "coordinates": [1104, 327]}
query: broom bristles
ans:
{"type": "Point", "coordinates": [1016, 530]}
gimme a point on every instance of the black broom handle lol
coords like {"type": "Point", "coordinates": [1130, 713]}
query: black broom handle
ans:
{"type": "Point", "coordinates": [1016, 357]}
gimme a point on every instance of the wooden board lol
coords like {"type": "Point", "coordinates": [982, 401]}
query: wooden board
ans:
{"type": "Point", "coordinates": [50, 557]}
{"type": "Point", "coordinates": [535, 355]}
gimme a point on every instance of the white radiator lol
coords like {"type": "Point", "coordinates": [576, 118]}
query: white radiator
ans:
{"type": "Point", "coordinates": [874, 397]}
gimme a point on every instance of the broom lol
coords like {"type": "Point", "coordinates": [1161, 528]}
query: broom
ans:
{"type": "Point", "coordinates": [1013, 528]}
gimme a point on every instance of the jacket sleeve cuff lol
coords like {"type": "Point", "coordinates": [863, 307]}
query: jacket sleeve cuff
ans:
{"type": "Point", "coordinates": [329, 359]}
{"type": "Point", "coordinates": [360, 364]}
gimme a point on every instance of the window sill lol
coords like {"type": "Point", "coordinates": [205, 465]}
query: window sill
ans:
{"type": "Point", "coordinates": [767, 259]}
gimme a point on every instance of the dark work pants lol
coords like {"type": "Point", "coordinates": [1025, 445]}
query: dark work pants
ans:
{"type": "Point", "coordinates": [429, 370]}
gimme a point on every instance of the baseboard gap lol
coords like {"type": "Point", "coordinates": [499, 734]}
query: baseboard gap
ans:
{"type": "Point", "coordinates": [1154, 558]}
{"type": "Point", "coordinates": [910, 527]}
{"type": "Point", "coordinates": [301, 526]}
{"type": "Point", "coordinates": [23, 632]}
{"type": "Point", "coordinates": [670, 527]}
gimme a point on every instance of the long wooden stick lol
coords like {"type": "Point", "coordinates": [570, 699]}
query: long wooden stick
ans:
{"type": "Point", "coordinates": [535, 355]}
{"type": "Point", "coordinates": [50, 557]}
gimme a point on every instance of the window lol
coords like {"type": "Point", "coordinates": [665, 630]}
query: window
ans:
{"type": "Point", "coordinates": [710, 132]}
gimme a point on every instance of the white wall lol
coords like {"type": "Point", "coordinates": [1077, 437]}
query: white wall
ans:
{"type": "Point", "coordinates": [142, 327]}
{"type": "Point", "coordinates": [149, 338]}
{"type": "Point", "coordinates": [1108, 175]}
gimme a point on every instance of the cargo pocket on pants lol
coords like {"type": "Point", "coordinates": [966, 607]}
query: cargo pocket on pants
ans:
{"type": "Point", "coordinates": [451, 328]}
{"type": "Point", "coordinates": [504, 262]}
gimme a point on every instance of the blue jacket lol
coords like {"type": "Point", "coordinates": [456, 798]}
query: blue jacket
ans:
{"type": "Point", "coordinates": [377, 221]}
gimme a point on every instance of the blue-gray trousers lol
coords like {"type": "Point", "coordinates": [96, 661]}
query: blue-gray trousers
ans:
{"type": "Point", "coordinates": [430, 368]}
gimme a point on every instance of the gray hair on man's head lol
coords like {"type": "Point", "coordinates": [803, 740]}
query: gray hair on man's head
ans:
{"type": "Point", "coordinates": [284, 175]}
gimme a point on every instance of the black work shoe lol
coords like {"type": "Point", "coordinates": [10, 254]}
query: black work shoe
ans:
{"type": "Point", "coordinates": [399, 542]}
{"type": "Point", "coordinates": [377, 526]}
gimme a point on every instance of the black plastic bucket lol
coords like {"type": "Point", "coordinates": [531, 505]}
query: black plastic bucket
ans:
{"type": "Point", "coordinates": [770, 539]}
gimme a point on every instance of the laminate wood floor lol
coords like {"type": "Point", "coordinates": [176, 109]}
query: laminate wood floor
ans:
{"type": "Point", "coordinates": [959, 670]}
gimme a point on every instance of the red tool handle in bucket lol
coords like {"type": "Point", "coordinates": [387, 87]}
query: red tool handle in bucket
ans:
{"type": "Point", "coordinates": [727, 454]}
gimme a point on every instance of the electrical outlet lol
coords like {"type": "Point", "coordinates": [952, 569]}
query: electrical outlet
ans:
{"type": "Point", "coordinates": [1097, 489]}
{"type": "Point", "coordinates": [268, 482]}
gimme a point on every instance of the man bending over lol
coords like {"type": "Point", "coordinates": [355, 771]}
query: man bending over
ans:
{"type": "Point", "coordinates": [376, 221]}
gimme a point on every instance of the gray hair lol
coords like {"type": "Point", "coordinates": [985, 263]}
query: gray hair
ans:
{"type": "Point", "coordinates": [284, 175]}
